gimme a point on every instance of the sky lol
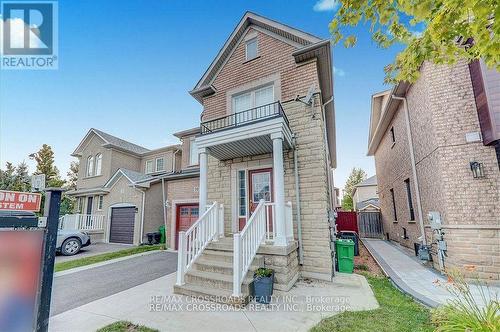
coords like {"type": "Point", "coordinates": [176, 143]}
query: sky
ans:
{"type": "Point", "coordinates": [126, 67]}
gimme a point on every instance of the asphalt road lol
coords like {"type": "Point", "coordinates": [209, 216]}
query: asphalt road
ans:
{"type": "Point", "coordinates": [79, 288]}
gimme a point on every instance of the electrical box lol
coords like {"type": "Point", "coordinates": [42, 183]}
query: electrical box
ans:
{"type": "Point", "coordinates": [435, 220]}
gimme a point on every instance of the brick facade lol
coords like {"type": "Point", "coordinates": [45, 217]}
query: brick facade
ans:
{"type": "Point", "coordinates": [442, 111]}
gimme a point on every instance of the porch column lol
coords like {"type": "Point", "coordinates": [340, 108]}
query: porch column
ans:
{"type": "Point", "coordinates": [203, 180]}
{"type": "Point", "coordinates": [279, 189]}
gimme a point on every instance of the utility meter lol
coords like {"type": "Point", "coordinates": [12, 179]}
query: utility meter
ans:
{"type": "Point", "coordinates": [434, 220]}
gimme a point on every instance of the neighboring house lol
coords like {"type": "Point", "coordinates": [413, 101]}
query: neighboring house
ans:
{"type": "Point", "coordinates": [267, 125]}
{"type": "Point", "coordinates": [365, 195]}
{"type": "Point", "coordinates": [436, 147]}
{"type": "Point", "coordinates": [124, 190]}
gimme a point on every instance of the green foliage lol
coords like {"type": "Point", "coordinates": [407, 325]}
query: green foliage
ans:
{"type": "Point", "coordinates": [448, 25]}
{"type": "Point", "coordinates": [357, 176]}
{"type": "Point", "coordinates": [397, 312]}
{"type": "Point", "coordinates": [464, 312]}
{"type": "Point", "coordinates": [263, 272]}
{"type": "Point", "coordinates": [73, 174]}
{"type": "Point", "coordinates": [45, 165]}
{"type": "Point", "coordinates": [124, 326]}
{"type": "Point", "coordinates": [15, 178]}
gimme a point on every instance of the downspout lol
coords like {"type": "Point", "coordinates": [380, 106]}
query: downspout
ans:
{"type": "Point", "coordinates": [142, 214]}
{"type": "Point", "coordinates": [413, 167]}
{"type": "Point", "coordinates": [164, 205]}
{"type": "Point", "coordinates": [297, 200]}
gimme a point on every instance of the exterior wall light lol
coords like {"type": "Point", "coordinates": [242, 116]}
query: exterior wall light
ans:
{"type": "Point", "coordinates": [477, 169]}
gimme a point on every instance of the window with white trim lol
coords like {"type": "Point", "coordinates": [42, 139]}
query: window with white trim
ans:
{"type": "Point", "coordinates": [160, 164]}
{"type": "Point", "coordinates": [193, 152]}
{"type": "Point", "coordinates": [100, 202]}
{"type": "Point", "coordinates": [242, 194]}
{"type": "Point", "coordinates": [253, 98]}
{"type": "Point", "coordinates": [98, 164]}
{"type": "Point", "coordinates": [251, 49]}
{"type": "Point", "coordinates": [90, 166]}
{"type": "Point", "coordinates": [149, 166]}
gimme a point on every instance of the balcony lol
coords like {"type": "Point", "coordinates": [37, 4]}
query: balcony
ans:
{"type": "Point", "coordinates": [245, 133]}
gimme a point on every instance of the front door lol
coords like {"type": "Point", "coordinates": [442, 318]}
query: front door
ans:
{"type": "Point", "coordinates": [260, 184]}
{"type": "Point", "coordinates": [187, 215]}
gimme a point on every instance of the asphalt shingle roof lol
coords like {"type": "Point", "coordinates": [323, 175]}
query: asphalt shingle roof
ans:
{"type": "Point", "coordinates": [120, 143]}
{"type": "Point", "coordinates": [135, 176]}
{"type": "Point", "coordinates": [371, 181]}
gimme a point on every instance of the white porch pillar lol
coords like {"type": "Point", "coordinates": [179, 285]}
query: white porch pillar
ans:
{"type": "Point", "coordinates": [279, 189]}
{"type": "Point", "coordinates": [203, 180]}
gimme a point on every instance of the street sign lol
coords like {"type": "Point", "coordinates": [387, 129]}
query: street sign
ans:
{"type": "Point", "coordinates": [38, 182]}
{"type": "Point", "coordinates": [19, 201]}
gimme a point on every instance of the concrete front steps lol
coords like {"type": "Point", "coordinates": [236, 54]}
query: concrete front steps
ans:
{"type": "Point", "coordinates": [211, 275]}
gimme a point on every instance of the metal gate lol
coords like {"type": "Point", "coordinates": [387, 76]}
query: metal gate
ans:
{"type": "Point", "coordinates": [370, 225]}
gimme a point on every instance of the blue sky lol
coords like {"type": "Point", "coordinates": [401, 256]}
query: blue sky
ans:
{"type": "Point", "coordinates": [126, 67]}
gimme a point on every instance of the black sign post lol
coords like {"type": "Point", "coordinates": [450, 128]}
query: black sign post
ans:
{"type": "Point", "coordinates": [51, 212]}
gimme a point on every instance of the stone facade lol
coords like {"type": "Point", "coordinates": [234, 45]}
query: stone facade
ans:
{"type": "Point", "coordinates": [275, 63]}
{"type": "Point", "coordinates": [442, 111]}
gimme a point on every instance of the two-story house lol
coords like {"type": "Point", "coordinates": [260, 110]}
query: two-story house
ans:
{"type": "Point", "coordinates": [125, 191]}
{"type": "Point", "coordinates": [436, 148]}
{"type": "Point", "coordinates": [267, 151]}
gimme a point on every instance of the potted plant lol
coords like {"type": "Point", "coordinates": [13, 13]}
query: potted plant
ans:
{"type": "Point", "coordinates": [263, 282]}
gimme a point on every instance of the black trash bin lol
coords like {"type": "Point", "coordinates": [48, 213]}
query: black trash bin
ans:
{"type": "Point", "coordinates": [154, 237]}
{"type": "Point", "coordinates": [351, 236]}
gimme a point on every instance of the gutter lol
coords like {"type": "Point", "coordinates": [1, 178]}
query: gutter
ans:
{"type": "Point", "coordinates": [413, 167]}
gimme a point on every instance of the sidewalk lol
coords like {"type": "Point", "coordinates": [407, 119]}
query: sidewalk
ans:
{"type": "Point", "coordinates": [154, 305]}
{"type": "Point", "coordinates": [411, 276]}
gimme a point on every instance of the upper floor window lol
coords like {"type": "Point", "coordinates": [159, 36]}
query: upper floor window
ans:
{"type": "Point", "coordinates": [160, 164]}
{"type": "Point", "coordinates": [90, 166]}
{"type": "Point", "coordinates": [98, 164]}
{"type": "Point", "coordinates": [149, 166]}
{"type": "Point", "coordinates": [193, 152]}
{"type": "Point", "coordinates": [251, 48]}
{"type": "Point", "coordinates": [253, 98]}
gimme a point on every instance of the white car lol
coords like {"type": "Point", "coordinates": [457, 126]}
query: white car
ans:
{"type": "Point", "coordinates": [69, 242]}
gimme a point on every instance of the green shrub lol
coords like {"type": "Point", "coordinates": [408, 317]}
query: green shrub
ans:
{"type": "Point", "coordinates": [465, 312]}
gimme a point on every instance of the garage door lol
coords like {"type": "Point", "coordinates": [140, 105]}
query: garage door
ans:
{"type": "Point", "coordinates": [187, 214]}
{"type": "Point", "coordinates": [122, 225]}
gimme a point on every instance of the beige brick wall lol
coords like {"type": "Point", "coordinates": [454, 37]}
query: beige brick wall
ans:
{"type": "Point", "coordinates": [442, 110]}
{"type": "Point", "coordinates": [93, 148]}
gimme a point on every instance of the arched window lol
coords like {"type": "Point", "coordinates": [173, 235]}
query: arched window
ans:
{"type": "Point", "coordinates": [90, 166]}
{"type": "Point", "coordinates": [98, 164]}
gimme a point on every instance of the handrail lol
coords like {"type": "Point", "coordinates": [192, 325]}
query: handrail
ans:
{"type": "Point", "coordinates": [251, 115]}
{"type": "Point", "coordinates": [246, 244]}
{"type": "Point", "coordinates": [82, 222]}
{"type": "Point", "coordinates": [193, 241]}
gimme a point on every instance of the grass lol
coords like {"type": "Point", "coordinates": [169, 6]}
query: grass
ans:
{"type": "Point", "coordinates": [124, 326]}
{"type": "Point", "coordinates": [397, 312]}
{"type": "Point", "coordinates": [104, 257]}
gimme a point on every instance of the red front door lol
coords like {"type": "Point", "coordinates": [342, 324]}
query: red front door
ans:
{"type": "Point", "coordinates": [187, 214]}
{"type": "Point", "coordinates": [260, 186]}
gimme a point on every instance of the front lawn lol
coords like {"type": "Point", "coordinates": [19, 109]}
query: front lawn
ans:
{"type": "Point", "coordinates": [104, 257]}
{"type": "Point", "coordinates": [125, 327]}
{"type": "Point", "coordinates": [397, 313]}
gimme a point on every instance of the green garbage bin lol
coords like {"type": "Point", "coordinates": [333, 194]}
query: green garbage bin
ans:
{"type": "Point", "coordinates": [162, 232]}
{"type": "Point", "coordinates": [345, 255]}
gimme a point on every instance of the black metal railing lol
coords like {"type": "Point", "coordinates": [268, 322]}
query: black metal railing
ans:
{"type": "Point", "coordinates": [264, 112]}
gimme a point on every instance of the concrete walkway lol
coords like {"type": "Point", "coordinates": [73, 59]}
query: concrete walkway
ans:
{"type": "Point", "coordinates": [153, 304]}
{"type": "Point", "coordinates": [411, 276]}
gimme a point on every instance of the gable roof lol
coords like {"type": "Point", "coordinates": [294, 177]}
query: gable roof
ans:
{"type": "Point", "coordinates": [369, 203]}
{"type": "Point", "coordinates": [110, 141]}
{"type": "Point", "coordinates": [371, 181]}
{"type": "Point", "coordinates": [294, 37]}
{"type": "Point", "coordinates": [132, 176]}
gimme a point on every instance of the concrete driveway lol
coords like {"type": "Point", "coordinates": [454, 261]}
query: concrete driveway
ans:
{"type": "Point", "coordinates": [94, 249]}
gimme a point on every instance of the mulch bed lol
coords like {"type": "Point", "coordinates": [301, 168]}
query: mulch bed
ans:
{"type": "Point", "coordinates": [365, 262]}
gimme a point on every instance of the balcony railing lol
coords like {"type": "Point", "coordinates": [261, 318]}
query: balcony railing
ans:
{"type": "Point", "coordinates": [264, 112]}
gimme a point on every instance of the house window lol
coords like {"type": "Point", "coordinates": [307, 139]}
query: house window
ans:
{"type": "Point", "coordinates": [393, 137]}
{"type": "Point", "coordinates": [79, 205]}
{"type": "Point", "coordinates": [410, 201]}
{"type": "Point", "coordinates": [90, 166]}
{"type": "Point", "coordinates": [98, 164]}
{"type": "Point", "coordinates": [394, 205]}
{"type": "Point", "coordinates": [100, 201]}
{"type": "Point", "coordinates": [242, 194]}
{"type": "Point", "coordinates": [252, 48]}
{"type": "Point", "coordinates": [193, 152]}
{"type": "Point", "coordinates": [149, 166]}
{"type": "Point", "coordinates": [160, 164]}
{"type": "Point", "coordinates": [254, 98]}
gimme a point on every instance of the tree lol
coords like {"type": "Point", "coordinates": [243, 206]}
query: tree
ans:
{"type": "Point", "coordinates": [22, 181]}
{"type": "Point", "coordinates": [73, 174]}
{"type": "Point", "coordinates": [7, 177]}
{"type": "Point", "coordinates": [452, 30]}
{"type": "Point", "coordinates": [45, 165]}
{"type": "Point", "coordinates": [356, 176]}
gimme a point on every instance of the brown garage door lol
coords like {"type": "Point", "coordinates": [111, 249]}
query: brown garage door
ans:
{"type": "Point", "coordinates": [122, 225]}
